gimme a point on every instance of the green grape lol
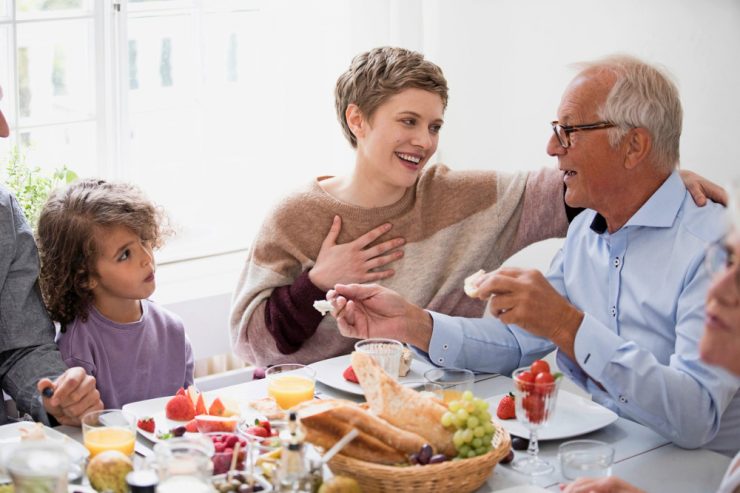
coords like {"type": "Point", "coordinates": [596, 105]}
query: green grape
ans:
{"type": "Point", "coordinates": [457, 439]}
{"type": "Point", "coordinates": [470, 407]}
{"type": "Point", "coordinates": [447, 419]}
{"type": "Point", "coordinates": [471, 454]}
{"type": "Point", "coordinates": [467, 395]}
{"type": "Point", "coordinates": [473, 422]}
{"type": "Point", "coordinates": [462, 414]}
{"type": "Point", "coordinates": [484, 416]}
{"type": "Point", "coordinates": [476, 443]}
{"type": "Point", "coordinates": [468, 436]}
{"type": "Point", "coordinates": [479, 431]}
{"type": "Point", "coordinates": [454, 406]}
{"type": "Point", "coordinates": [488, 426]}
{"type": "Point", "coordinates": [459, 423]}
{"type": "Point", "coordinates": [480, 450]}
{"type": "Point", "coordinates": [482, 405]}
{"type": "Point", "coordinates": [486, 438]}
{"type": "Point", "coordinates": [464, 450]}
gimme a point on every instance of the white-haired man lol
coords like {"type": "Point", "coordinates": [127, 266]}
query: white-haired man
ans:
{"type": "Point", "coordinates": [624, 300]}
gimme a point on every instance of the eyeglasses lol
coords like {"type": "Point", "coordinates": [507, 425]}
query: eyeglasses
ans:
{"type": "Point", "coordinates": [721, 257]}
{"type": "Point", "coordinates": [562, 132]}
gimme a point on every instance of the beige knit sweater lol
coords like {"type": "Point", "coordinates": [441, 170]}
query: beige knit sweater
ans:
{"type": "Point", "coordinates": [454, 223]}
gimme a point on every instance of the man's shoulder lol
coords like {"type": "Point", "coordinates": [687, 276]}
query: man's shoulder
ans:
{"type": "Point", "coordinates": [707, 223]}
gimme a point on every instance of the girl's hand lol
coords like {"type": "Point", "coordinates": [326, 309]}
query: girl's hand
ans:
{"type": "Point", "coordinates": [354, 262]}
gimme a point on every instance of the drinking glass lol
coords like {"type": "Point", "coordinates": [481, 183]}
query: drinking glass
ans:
{"type": "Point", "coordinates": [386, 352]}
{"type": "Point", "coordinates": [290, 384]}
{"type": "Point", "coordinates": [535, 403]}
{"type": "Point", "coordinates": [39, 466]}
{"type": "Point", "coordinates": [585, 458]}
{"type": "Point", "coordinates": [426, 389]}
{"type": "Point", "coordinates": [109, 429]}
{"type": "Point", "coordinates": [454, 381]}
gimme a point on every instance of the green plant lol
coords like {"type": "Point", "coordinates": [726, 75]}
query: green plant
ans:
{"type": "Point", "coordinates": [30, 186]}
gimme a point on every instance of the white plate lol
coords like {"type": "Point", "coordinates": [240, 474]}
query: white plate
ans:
{"type": "Point", "coordinates": [10, 434]}
{"type": "Point", "coordinates": [574, 415]}
{"type": "Point", "coordinates": [329, 372]}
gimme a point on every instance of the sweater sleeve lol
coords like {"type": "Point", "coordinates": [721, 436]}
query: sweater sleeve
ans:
{"type": "Point", "coordinates": [543, 213]}
{"type": "Point", "coordinates": [289, 313]}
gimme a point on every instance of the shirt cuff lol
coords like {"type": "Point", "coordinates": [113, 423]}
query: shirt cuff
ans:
{"type": "Point", "coordinates": [447, 339]}
{"type": "Point", "coordinates": [595, 346]}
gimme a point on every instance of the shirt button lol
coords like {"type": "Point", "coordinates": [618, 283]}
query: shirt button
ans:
{"type": "Point", "coordinates": [622, 399]}
{"type": "Point", "coordinates": [445, 346]}
{"type": "Point", "coordinates": [616, 262]}
{"type": "Point", "coordinates": [613, 311]}
{"type": "Point", "coordinates": [440, 360]}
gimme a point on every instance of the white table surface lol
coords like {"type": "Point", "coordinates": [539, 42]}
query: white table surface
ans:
{"type": "Point", "coordinates": [642, 457]}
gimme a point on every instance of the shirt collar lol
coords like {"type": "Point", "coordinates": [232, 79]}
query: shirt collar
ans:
{"type": "Point", "coordinates": [659, 211]}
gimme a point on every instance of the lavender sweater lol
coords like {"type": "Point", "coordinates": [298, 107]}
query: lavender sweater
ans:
{"type": "Point", "coordinates": [131, 362]}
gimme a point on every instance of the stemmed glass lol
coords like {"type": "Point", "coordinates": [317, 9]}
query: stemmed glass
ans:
{"type": "Point", "coordinates": [535, 403]}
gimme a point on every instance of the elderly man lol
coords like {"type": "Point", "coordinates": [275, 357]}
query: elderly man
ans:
{"type": "Point", "coordinates": [29, 359]}
{"type": "Point", "coordinates": [624, 300]}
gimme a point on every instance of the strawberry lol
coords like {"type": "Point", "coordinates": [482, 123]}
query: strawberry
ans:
{"type": "Point", "coordinates": [146, 424]}
{"type": "Point", "coordinates": [506, 409]}
{"type": "Point", "coordinates": [180, 408]}
{"type": "Point", "coordinates": [349, 375]}
{"type": "Point", "coordinates": [257, 431]}
{"type": "Point", "coordinates": [264, 424]}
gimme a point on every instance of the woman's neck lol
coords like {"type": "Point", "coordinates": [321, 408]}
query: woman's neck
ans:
{"type": "Point", "coordinates": [119, 311]}
{"type": "Point", "coordinates": [361, 190]}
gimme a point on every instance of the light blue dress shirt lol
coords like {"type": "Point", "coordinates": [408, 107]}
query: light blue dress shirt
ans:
{"type": "Point", "coordinates": [642, 289]}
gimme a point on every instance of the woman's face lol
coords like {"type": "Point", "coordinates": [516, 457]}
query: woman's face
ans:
{"type": "Point", "coordinates": [720, 344]}
{"type": "Point", "coordinates": [399, 138]}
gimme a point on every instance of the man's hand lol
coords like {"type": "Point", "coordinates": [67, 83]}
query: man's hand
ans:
{"type": "Point", "coordinates": [525, 298]}
{"type": "Point", "coordinates": [611, 484]}
{"type": "Point", "coordinates": [702, 189]}
{"type": "Point", "coordinates": [354, 261]}
{"type": "Point", "coordinates": [365, 311]}
{"type": "Point", "coordinates": [74, 396]}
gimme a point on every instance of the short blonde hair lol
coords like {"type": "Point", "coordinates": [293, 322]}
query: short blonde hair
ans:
{"type": "Point", "coordinates": [642, 96]}
{"type": "Point", "coordinates": [381, 73]}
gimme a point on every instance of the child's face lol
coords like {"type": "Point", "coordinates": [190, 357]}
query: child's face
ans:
{"type": "Point", "coordinates": [400, 137]}
{"type": "Point", "coordinates": [124, 268]}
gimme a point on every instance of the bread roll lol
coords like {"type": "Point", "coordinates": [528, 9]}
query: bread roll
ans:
{"type": "Point", "coordinates": [401, 406]}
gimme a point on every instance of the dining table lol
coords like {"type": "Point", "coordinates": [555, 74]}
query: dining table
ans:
{"type": "Point", "coordinates": [642, 457]}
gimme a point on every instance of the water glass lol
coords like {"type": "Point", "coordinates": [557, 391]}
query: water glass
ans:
{"type": "Point", "coordinates": [385, 352]}
{"type": "Point", "coordinates": [454, 382]}
{"type": "Point", "coordinates": [426, 389]}
{"type": "Point", "coordinates": [585, 459]}
{"type": "Point", "coordinates": [39, 466]}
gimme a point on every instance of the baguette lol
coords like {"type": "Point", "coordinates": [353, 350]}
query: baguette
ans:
{"type": "Point", "coordinates": [358, 417]}
{"type": "Point", "coordinates": [401, 406]}
{"type": "Point", "coordinates": [324, 424]}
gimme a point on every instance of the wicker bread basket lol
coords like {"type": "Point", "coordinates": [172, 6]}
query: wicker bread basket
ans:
{"type": "Point", "coordinates": [460, 476]}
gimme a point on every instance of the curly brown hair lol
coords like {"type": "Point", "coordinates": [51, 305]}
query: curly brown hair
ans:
{"type": "Point", "coordinates": [69, 223]}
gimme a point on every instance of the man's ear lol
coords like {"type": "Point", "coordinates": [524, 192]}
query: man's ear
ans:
{"type": "Point", "coordinates": [355, 120]}
{"type": "Point", "coordinates": [639, 144]}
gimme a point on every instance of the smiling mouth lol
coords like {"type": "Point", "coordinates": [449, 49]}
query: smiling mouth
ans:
{"type": "Point", "coordinates": [411, 159]}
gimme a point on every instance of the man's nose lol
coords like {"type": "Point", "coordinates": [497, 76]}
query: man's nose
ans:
{"type": "Point", "coordinates": [554, 148]}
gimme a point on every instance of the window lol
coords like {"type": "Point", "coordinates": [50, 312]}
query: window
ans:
{"type": "Point", "coordinates": [148, 91]}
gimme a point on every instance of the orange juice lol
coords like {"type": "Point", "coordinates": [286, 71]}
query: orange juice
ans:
{"type": "Point", "coordinates": [109, 438]}
{"type": "Point", "coordinates": [289, 390]}
{"type": "Point", "coordinates": [449, 395]}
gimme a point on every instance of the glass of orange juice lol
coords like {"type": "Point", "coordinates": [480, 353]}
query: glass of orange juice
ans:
{"type": "Point", "coordinates": [290, 384]}
{"type": "Point", "coordinates": [454, 381]}
{"type": "Point", "coordinates": [109, 429]}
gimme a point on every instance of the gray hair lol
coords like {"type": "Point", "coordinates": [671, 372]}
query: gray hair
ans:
{"type": "Point", "coordinates": [642, 96]}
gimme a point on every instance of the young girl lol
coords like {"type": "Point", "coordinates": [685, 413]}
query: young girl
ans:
{"type": "Point", "coordinates": [97, 273]}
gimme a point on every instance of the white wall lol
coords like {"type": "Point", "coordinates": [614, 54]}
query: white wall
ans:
{"type": "Point", "coordinates": [506, 63]}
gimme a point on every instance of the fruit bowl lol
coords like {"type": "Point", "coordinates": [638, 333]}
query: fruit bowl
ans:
{"type": "Point", "coordinates": [224, 445]}
{"type": "Point", "coordinates": [462, 476]}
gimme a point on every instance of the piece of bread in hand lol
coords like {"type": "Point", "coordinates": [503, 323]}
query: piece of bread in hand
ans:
{"type": "Point", "coordinates": [402, 406]}
{"type": "Point", "coordinates": [325, 422]}
{"type": "Point", "coordinates": [469, 284]}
